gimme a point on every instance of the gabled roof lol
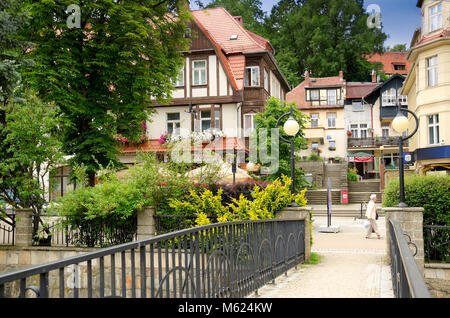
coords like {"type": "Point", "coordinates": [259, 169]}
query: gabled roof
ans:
{"type": "Point", "coordinates": [220, 26]}
{"type": "Point", "coordinates": [298, 94]}
{"type": "Point", "coordinates": [389, 60]}
{"type": "Point", "coordinates": [359, 90]}
{"type": "Point", "coordinates": [376, 92]}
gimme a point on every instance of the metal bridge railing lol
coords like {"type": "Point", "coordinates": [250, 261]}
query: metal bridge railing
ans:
{"type": "Point", "coordinates": [217, 260]}
{"type": "Point", "coordinates": [407, 280]}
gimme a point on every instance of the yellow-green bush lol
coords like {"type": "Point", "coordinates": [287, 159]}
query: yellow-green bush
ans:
{"type": "Point", "coordinates": [266, 203]}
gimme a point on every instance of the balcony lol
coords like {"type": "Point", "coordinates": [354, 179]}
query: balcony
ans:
{"type": "Point", "coordinates": [374, 142]}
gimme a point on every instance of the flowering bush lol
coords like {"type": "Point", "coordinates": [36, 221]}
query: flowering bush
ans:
{"type": "Point", "coordinates": [165, 138]}
{"type": "Point", "coordinates": [198, 136]}
{"type": "Point", "coordinates": [125, 140]}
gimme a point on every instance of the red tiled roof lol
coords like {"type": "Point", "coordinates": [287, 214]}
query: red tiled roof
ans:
{"type": "Point", "coordinates": [298, 94]}
{"type": "Point", "coordinates": [218, 25]}
{"type": "Point", "coordinates": [359, 90]}
{"type": "Point", "coordinates": [221, 25]}
{"type": "Point", "coordinates": [227, 144]}
{"type": "Point", "coordinates": [443, 33]}
{"type": "Point", "coordinates": [148, 146]}
{"type": "Point", "coordinates": [389, 59]}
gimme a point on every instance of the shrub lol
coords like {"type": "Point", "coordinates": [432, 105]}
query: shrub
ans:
{"type": "Point", "coordinates": [352, 175]}
{"type": "Point", "coordinates": [263, 204]}
{"type": "Point", "coordinates": [433, 194]}
{"type": "Point", "coordinates": [430, 192]}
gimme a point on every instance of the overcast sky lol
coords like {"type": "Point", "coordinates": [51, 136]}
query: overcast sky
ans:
{"type": "Point", "coordinates": [400, 18]}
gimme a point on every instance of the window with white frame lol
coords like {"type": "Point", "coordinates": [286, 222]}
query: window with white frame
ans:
{"type": "Point", "coordinates": [252, 76]}
{"type": "Point", "coordinates": [332, 97]}
{"type": "Point", "coordinates": [435, 16]}
{"type": "Point", "coordinates": [217, 118]}
{"type": "Point", "coordinates": [266, 80]}
{"type": "Point", "coordinates": [432, 71]}
{"type": "Point", "coordinates": [363, 131]}
{"type": "Point", "coordinates": [433, 129]}
{"type": "Point", "coordinates": [332, 144]}
{"type": "Point", "coordinates": [249, 124]}
{"type": "Point", "coordinates": [331, 120]}
{"type": "Point", "coordinates": [385, 130]}
{"type": "Point", "coordinates": [314, 120]}
{"type": "Point", "coordinates": [205, 119]}
{"type": "Point", "coordinates": [179, 81]}
{"type": "Point", "coordinates": [314, 145]}
{"type": "Point", "coordinates": [199, 72]}
{"type": "Point", "coordinates": [354, 130]}
{"type": "Point", "coordinates": [173, 123]}
{"type": "Point", "coordinates": [389, 97]}
{"type": "Point", "coordinates": [315, 94]}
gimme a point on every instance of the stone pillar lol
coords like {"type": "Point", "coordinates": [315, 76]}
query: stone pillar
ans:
{"type": "Point", "coordinates": [24, 227]}
{"type": "Point", "coordinates": [301, 213]}
{"type": "Point", "coordinates": [146, 223]}
{"type": "Point", "coordinates": [411, 223]}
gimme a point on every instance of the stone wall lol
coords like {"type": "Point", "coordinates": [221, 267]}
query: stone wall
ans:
{"type": "Point", "coordinates": [411, 223]}
{"type": "Point", "coordinates": [437, 278]}
{"type": "Point", "coordinates": [316, 168]}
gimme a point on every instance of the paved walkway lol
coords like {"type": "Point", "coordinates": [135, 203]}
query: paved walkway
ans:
{"type": "Point", "coordinates": [350, 267]}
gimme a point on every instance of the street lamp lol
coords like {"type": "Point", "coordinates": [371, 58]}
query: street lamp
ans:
{"type": "Point", "coordinates": [400, 125]}
{"type": "Point", "coordinates": [291, 128]}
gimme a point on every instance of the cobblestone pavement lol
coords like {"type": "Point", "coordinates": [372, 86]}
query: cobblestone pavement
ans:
{"type": "Point", "coordinates": [350, 267]}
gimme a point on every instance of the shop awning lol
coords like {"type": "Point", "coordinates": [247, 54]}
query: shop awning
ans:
{"type": "Point", "coordinates": [360, 157]}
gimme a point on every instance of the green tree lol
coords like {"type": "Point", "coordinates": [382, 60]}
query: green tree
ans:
{"type": "Point", "coordinates": [323, 37]}
{"type": "Point", "coordinates": [12, 18]}
{"type": "Point", "coordinates": [105, 72]}
{"type": "Point", "coordinates": [30, 150]}
{"type": "Point", "coordinates": [398, 48]}
{"type": "Point", "coordinates": [267, 120]}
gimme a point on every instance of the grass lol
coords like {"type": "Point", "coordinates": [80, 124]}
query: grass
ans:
{"type": "Point", "coordinates": [314, 260]}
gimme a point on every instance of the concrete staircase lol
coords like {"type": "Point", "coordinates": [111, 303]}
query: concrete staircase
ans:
{"type": "Point", "coordinates": [361, 191]}
{"type": "Point", "coordinates": [342, 210]}
{"type": "Point", "coordinates": [319, 197]}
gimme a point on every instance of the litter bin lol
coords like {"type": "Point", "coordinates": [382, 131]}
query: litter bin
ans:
{"type": "Point", "coordinates": [344, 197]}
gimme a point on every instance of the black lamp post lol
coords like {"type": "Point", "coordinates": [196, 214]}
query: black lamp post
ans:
{"type": "Point", "coordinates": [291, 128]}
{"type": "Point", "coordinates": [400, 125]}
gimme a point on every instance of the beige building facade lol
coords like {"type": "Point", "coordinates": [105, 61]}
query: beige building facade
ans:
{"type": "Point", "coordinates": [428, 88]}
{"type": "Point", "coordinates": [322, 99]}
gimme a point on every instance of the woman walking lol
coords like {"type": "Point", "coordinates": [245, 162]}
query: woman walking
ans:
{"type": "Point", "coordinates": [371, 214]}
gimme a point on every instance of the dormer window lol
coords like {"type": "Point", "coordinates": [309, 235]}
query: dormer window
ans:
{"type": "Point", "coordinates": [435, 16]}
{"type": "Point", "coordinates": [234, 37]}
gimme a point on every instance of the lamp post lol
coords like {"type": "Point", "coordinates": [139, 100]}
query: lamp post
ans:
{"type": "Point", "coordinates": [400, 125]}
{"type": "Point", "coordinates": [291, 128]}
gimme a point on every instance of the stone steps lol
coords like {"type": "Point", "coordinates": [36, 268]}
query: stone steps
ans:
{"type": "Point", "coordinates": [358, 197]}
{"type": "Point", "coordinates": [318, 197]}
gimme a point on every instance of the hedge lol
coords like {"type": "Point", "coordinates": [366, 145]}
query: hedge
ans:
{"type": "Point", "coordinates": [430, 192]}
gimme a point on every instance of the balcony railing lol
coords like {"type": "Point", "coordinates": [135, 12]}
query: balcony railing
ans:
{"type": "Point", "coordinates": [374, 142]}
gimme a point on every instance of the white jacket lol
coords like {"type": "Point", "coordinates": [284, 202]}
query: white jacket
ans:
{"type": "Point", "coordinates": [371, 211]}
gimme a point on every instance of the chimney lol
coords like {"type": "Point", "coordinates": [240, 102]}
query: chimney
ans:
{"type": "Point", "coordinates": [374, 76]}
{"type": "Point", "coordinates": [341, 75]}
{"type": "Point", "coordinates": [240, 20]}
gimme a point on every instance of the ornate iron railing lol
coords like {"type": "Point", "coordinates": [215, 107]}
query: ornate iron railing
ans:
{"type": "Point", "coordinates": [437, 239]}
{"type": "Point", "coordinates": [407, 281]}
{"type": "Point", "coordinates": [217, 260]}
{"type": "Point", "coordinates": [52, 230]}
{"type": "Point", "coordinates": [7, 229]}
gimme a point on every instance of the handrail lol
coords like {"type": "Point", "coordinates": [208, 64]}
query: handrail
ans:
{"type": "Point", "coordinates": [405, 266]}
{"type": "Point", "coordinates": [199, 246]}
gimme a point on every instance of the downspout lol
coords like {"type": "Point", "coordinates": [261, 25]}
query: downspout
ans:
{"type": "Point", "coordinates": [238, 120]}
